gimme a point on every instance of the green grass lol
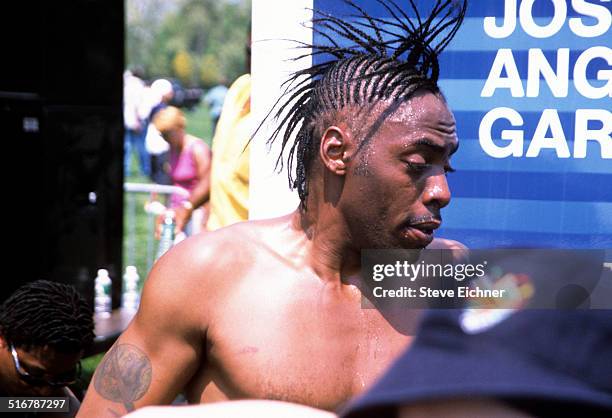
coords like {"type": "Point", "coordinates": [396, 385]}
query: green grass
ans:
{"type": "Point", "coordinates": [199, 123]}
{"type": "Point", "coordinates": [135, 252]}
{"type": "Point", "coordinates": [139, 245]}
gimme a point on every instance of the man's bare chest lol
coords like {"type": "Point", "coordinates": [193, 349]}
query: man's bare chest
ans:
{"type": "Point", "coordinates": [310, 352]}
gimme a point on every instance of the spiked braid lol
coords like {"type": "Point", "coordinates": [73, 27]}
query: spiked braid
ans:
{"type": "Point", "coordinates": [47, 313]}
{"type": "Point", "coordinates": [398, 58]}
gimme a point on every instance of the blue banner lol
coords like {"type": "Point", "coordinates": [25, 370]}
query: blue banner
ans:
{"type": "Point", "coordinates": [530, 83]}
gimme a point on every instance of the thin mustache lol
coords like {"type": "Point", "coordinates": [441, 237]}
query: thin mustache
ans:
{"type": "Point", "coordinates": [424, 219]}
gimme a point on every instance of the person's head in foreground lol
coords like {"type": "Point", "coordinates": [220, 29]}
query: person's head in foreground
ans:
{"type": "Point", "coordinates": [44, 328]}
{"type": "Point", "coordinates": [373, 132]}
{"type": "Point", "coordinates": [493, 363]}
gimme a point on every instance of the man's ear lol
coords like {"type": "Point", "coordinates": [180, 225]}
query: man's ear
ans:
{"type": "Point", "coordinates": [3, 343]}
{"type": "Point", "coordinates": [334, 150]}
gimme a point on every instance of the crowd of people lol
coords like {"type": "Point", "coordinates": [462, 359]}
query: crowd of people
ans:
{"type": "Point", "coordinates": [213, 185]}
{"type": "Point", "coordinates": [266, 318]}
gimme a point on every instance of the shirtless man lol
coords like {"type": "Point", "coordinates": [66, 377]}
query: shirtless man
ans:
{"type": "Point", "coordinates": [272, 309]}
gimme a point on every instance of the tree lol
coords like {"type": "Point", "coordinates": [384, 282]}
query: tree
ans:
{"type": "Point", "coordinates": [199, 41]}
{"type": "Point", "coordinates": [183, 67]}
{"type": "Point", "coordinates": [210, 71]}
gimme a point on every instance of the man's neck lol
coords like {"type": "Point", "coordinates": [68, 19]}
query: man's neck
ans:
{"type": "Point", "coordinates": [330, 253]}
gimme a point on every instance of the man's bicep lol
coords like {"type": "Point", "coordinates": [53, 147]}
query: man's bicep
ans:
{"type": "Point", "coordinates": [123, 378]}
{"type": "Point", "coordinates": [153, 359]}
{"type": "Point", "coordinates": [133, 374]}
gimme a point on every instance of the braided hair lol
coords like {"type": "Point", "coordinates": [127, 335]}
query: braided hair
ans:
{"type": "Point", "coordinates": [386, 59]}
{"type": "Point", "coordinates": [44, 313]}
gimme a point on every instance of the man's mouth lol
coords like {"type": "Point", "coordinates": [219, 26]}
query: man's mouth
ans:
{"type": "Point", "coordinates": [421, 231]}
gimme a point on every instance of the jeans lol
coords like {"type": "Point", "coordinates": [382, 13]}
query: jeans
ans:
{"type": "Point", "coordinates": [136, 140]}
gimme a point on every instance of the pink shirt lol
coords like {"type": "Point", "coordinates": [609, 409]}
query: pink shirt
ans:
{"type": "Point", "coordinates": [184, 170]}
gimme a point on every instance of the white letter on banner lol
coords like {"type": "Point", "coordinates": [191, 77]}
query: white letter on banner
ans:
{"type": "Point", "coordinates": [549, 119]}
{"type": "Point", "coordinates": [599, 12]}
{"type": "Point", "coordinates": [532, 29]}
{"type": "Point", "coordinates": [557, 82]}
{"type": "Point", "coordinates": [503, 59]}
{"type": "Point", "coordinates": [515, 148]}
{"type": "Point", "coordinates": [583, 134]}
{"type": "Point", "coordinates": [509, 20]}
{"type": "Point", "coordinates": [580, 79]}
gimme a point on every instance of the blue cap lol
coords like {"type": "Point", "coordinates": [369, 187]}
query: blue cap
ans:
{"type": "Point", "coordinates": [549, 358]}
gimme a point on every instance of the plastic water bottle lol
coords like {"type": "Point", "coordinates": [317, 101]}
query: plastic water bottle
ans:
{"type": "Point", "coordinates": [103, 299]}
{"type": "Point", "coordinates": [130, 298]}
{"type": "Point", "coordinates": [167, 234]}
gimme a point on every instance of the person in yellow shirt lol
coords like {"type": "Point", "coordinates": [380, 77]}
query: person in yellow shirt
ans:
{"type": "Point", "coordinates": [229, 190]}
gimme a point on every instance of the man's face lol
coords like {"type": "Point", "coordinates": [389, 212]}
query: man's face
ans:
{"type": "Point", "coordinates": [42, 363]}
{"type": "Point", "coordinates": [396, 183]}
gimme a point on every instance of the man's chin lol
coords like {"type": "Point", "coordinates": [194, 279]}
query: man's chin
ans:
{"type": "Point", "coordinates": [397, 241]}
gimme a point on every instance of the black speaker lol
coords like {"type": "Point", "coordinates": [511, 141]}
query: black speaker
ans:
{"type": "Point", "coordinates": [67, 52]}
{"type": "Point", "coordinates": [61, 111]}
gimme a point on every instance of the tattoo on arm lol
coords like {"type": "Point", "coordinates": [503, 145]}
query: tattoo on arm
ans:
{"type": "Point", "coordinates": [124, 375]}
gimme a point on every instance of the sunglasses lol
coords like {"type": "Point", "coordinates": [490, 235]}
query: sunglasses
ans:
{"type": "Point", "coordinates": [35, 380]}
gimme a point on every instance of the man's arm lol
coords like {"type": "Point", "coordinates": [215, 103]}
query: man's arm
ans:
{"type": "Point", "coordinates": [163, 346]}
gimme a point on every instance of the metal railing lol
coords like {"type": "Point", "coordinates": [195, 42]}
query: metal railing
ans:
{"type": "Point", "coordinates": [149, 209]}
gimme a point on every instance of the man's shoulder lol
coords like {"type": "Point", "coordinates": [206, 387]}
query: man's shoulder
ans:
{"type": "Point", "coordinates": [213, 253]}
{"type": "Point", "coordinates": [221, 259]}
{"type": "Point", "coordinates": [220, 245]}
{"type": "Point", "coordinates": [204, 267]}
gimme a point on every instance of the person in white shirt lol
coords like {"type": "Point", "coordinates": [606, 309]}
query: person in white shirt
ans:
{"type": "Point", "coordinates": [135, 128]}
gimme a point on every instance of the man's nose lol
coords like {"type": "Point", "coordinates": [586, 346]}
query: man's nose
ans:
{"type": "Point", "coordinates": [436, 191]}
